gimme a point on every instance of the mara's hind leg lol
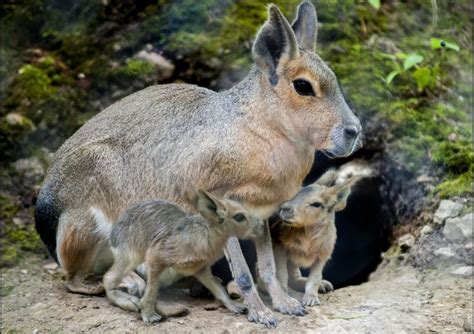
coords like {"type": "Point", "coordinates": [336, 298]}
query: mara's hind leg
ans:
{"type": "Point", "coordinates": [112, 279]}
{"type": "Point", "coordinates": [77, 249]}
{"type": "Point", "coordinates": [165, 310]}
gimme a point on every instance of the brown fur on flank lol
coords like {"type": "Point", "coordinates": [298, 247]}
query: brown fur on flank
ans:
{"type": "Point", "coordinates": [173, 244]}
{"type": "Point", "coordinates": [254, 143]}
{"type": "Point", "coordinates": [306, 235]}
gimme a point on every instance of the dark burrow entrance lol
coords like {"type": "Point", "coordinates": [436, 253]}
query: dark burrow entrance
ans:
{"type": "Point", "coordinates": [364, 227]}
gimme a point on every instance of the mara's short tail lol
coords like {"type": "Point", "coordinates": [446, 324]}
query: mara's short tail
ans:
{"type": "Point", "coordinates": [47, 214]}
{"type": "Point", "coordinates": [103, 224]}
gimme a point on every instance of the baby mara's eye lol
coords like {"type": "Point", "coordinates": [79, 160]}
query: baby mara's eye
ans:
{"type": "Point", "coordinates": [303, 87]}
{"type": "Point", "coordinates": [240, 217]}
{"type": "Point", "coordinates": [316, 205]}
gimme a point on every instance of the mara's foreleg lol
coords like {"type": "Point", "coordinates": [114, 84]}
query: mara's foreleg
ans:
{"type": "Point", "coordinates": [257, 311]}
{"type": "Point", "coordinates": [282, 302]}
{"type": "Point", "coordinates": [298, 282]}
{"type": "Point", "coordinates": [281, 262]}
{"type": "Point", "coordinates": [315, 283]}
{"type": "Point", "coordinates": [212, 284]}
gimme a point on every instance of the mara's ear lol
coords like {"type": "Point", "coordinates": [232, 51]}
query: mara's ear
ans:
{"type": "Point", "coordinates": [343, 191]}
{"type": "Point", "coordinates": [274, 41]}
{"type": "Point", "coordinates": [342, 199]}
{"type": "Point", "coordinates": [328, 178]}
{"type": "Point", "coordinates": [305, 26]}
{"type": "Point", "coordinates": [209, 206]}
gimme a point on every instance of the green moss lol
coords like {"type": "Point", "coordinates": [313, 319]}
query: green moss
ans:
{"type": "Point", "coordinates": [48, 101]}
{"type": "Point", "coordinates": [456, 185]}
{"type": "Point", "coordinates": [457, 157]}
{"type": "Point", "coordinates": [33, 84]}
{"type": "Point", "coordinates": [16, 241]}
{"type": "Point", "coordinates": [5, 290]}
{"type": "Point", "coordinates": [133, 69]}
{"type": "Point", "coordinates": [458, 160]}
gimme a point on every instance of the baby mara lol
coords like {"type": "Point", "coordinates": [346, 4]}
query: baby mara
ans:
{"type": "Point", "coordinates": [306, 235]}
{"type": "Point", "coordinates": [177, 244]}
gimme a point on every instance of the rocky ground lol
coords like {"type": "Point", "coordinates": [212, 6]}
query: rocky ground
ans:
{"type": "Point", "coordinates": [423, 285]}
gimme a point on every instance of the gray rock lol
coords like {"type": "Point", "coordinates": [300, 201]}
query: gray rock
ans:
{"type": "Point", "coordinates": [445, 252]}
{"type": "Point", "coordinates": [424, 178]}
{"type": "Point", "coordinates": [468, 246]}
{"type": "Point", "coordinates": [406, 242]}
{"type": "Point", "coordinates": [31, 169]}
{"type": "Point", "coordinates": [163, 66]}
{"type": "Point", "coordinates": [18, 222]}
{"type": "Point", "coordinates": [427, 229]}
{"type": "Point", "coordinates": [447, 209]}
{"type": "Point", "coordinates": [465, 271]}
{"type": "Point", "coordinates": [51, 267]}
{"type": "Point", "coordinates": [459, 228]}
{"type": "Point", "coordinates": [467, 326]}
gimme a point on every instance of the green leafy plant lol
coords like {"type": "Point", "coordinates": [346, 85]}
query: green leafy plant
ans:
{"type": "Point", "coordinates": [375, 4]}
{"type": "Point", "coordinates": [423, 72]}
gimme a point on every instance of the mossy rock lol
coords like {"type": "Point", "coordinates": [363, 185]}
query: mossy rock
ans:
{"type": "Point", "coordinates": [16, 241]}
{"type": "Point", "coordinates": [458, 159]}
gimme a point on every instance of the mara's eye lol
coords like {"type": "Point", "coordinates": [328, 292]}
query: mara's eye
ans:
{"type": "Point", "coordinates": [316, 205]}
{"type": "Point", "coordinates": [303, 87]}
{"type": "Point", "coordinates": [239, 217]}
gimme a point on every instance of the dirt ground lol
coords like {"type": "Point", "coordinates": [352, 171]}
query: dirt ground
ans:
{"type": "Point", "coordinates": [397, 299]}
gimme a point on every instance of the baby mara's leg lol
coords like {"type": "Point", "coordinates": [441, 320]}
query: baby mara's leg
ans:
{"type": "Point", "coordinates": [149, 302]}
{"type": "Point", "coordinates": [314, 284]}
{"type": "Point", "coordinates": [166, 278]}
{"type": "Point", "coordinates": [298, 282]}
{"type": "Point", "coordinates": [113, 278]}
{"type": "Point", "coordinates": [212, 284]}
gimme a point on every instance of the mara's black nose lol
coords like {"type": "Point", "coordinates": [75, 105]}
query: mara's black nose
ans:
{"type": "Point", "coordinates": [351, 131]}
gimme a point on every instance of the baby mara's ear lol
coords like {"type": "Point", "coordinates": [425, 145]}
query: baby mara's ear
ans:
{"type": "Point", "coordinates": [343, 191]}
{"type": "Point", "coordinates": [210, 206]}
{"type": "Point", "coordinates": [328, 178]}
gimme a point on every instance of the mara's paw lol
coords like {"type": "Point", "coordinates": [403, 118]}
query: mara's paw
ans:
{"type": "Point", "coordinates": [325, 286]}
{"type": "Point", "coordinates": [131, 303]}
{"type": "Point", "coordinates": [262, 315]}
{"type": "Point", "coordinates": [311, 300]}
{"type": "Point", "coordinates": [289, 305]}
{"type": "Point", "coordinates": [134, 285]}
{"type": "Point", "coordinates": [236, 307]}
{"type": "Point", "coordinates": [151, 318]}
{"type": "Point", "coordinates": [124, 300]}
